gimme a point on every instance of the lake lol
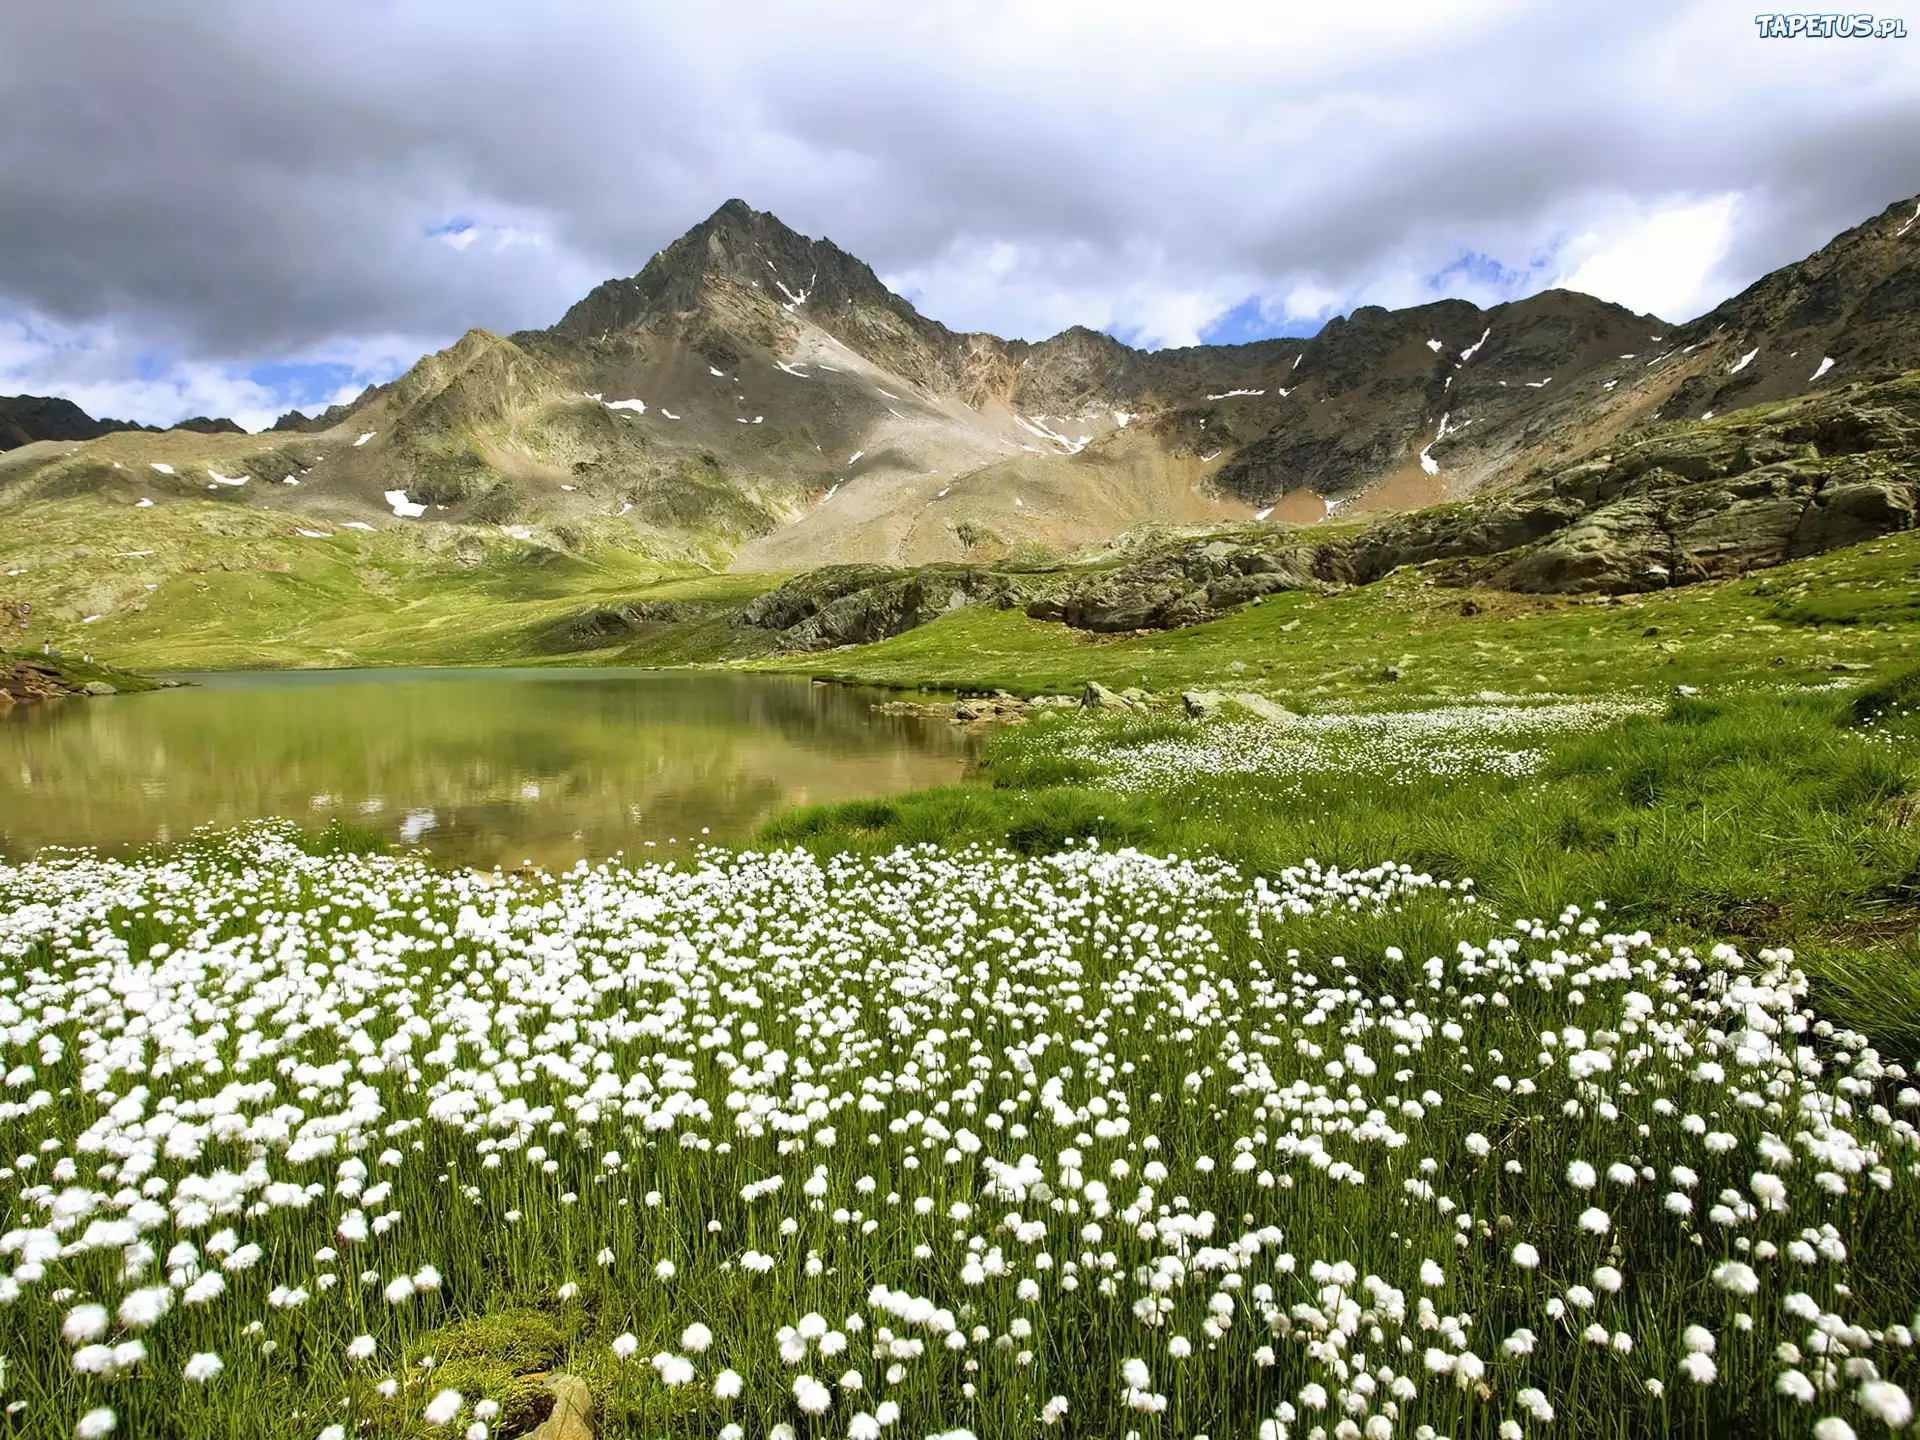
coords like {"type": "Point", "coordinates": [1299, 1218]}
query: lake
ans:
{"type": "Point", "coordinates": [481, 767]}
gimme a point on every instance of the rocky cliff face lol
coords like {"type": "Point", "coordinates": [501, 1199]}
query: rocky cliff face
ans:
{"type": "Point", "coordinates": [1672, 505]}
{"type": "Point", "coordinates": [1845, 312]}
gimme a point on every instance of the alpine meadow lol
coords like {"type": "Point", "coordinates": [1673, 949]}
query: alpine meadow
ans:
{"type": "Point", "coordinates": [1328, 851]}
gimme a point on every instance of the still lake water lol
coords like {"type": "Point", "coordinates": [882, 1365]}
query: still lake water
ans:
{"type": "Point", "coordinates": [482, 767]}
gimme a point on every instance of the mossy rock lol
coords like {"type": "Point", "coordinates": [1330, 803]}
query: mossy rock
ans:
{"type": "Point", "coordinates": [525, 1340]}
{"type": "Point", "coordinates": [524, 1400]}
{"type": "Point", "coordinates": [501, 1357]}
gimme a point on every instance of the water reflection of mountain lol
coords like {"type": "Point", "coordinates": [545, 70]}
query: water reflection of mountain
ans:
{"type": "Point", "coordinates": [474, 762]}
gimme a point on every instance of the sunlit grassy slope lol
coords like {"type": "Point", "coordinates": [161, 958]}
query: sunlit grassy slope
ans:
{"type": "Point", "coordinates": [212, 585]}
{"type": "Point", "coordinates": [206, 585]}
{"type": "Point", "coordinates": [1816, 620]}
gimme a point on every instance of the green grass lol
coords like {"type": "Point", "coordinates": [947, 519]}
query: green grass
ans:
{"type": "Point", "coordinates": [1807, 622]}
{"type": "Point", "coordinates": [235, 587]}
{"type": "Point", "coordinates": [1764, 819]}
{"type": "Point", "coordinates": [228, 587]}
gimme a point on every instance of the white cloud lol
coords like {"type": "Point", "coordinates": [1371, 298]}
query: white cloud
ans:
{"type": "Point", "coordinates": [1306, 301]}
{"type": "Point", "coordinates": [1120, 164]}
{"type": "Point", "coordinates": [1665, 259]}
{"type": "Point", "coordinates": [1034, 291]}
{"type": "Point", "coordinates": [108, 375]}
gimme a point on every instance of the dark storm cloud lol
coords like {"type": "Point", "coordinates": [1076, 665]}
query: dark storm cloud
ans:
{"type": "Point", "coordinates": [225, 183]}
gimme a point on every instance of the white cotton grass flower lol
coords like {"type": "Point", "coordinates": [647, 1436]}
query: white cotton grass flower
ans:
{"type": "Point", "coordinates": [202, 1367]}
{"type": "Point", "coordinates": [143, 1309]}
{"type": "Point", "coordinates": [674, 1370]}
{"type": "Point", "coordinates": [1699, 1367]}
{"type": "Point", "coordinates": [664, 1270]}
{"type": "Point", "coordinates": [625, 1346]}
{"type": "Point", "coordinates": [1580, 1175]}
{"type": "Point", "coordinates": [84, 1324]}
{"type": "Point", "coordinates": [1791, 1384]}
{"type": "Point", "coordinates": [1737, 1277]}
{"type": "Point", "coordinates": [1832, 1428]}
{"type": "Point", "coordinates": [443, 1408]}
{"type": "Point", "coordinates": [727, 1385]}
{"type": "Point", "coordinates": [1698, 1340]}
{"type": "Point", "coordinates": [1535, 1403]}
{"type": "Point", "coordinates": [361, 1347]}
{"type": "Point", "coordinates": [696, 1338]}
{"type": "Point", "coordinates": [1887, 1403]}
{"type": "Point", "coordinates": [1594, 1220]}
{"type": "Point", "coordinates": [95, 1424]}
{"type": "Point", "coordinates": [810, 1396]}
{"type": "Point", "coordinates": [1525, 1256]}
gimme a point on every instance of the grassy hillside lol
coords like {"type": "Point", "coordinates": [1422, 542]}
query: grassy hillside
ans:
{"type": "Point", "coordinates": [1814, 621]}
{"type": "Point", "coordinates": [210, 585]}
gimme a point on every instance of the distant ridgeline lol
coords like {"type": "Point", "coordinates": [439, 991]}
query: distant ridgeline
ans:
{"type": "Point", "coordinates": [758, 398]}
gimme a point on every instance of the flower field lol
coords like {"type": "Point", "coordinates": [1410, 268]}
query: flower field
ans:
{"type": "Point", "coordinates": [924, 1144]}
{"type": "Point", "coordinates": [1394, 745]}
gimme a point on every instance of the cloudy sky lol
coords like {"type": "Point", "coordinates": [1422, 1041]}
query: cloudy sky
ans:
{"type": "Point", "coordinates": [238, 206]}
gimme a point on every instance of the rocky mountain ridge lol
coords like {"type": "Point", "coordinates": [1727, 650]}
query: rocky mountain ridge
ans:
{"type": "Point", "coordinates": [1675, 504]}
{"type": "Point", "coordinates": [25, 419]}
{"type": "Point", "coordinates": [760, 398]}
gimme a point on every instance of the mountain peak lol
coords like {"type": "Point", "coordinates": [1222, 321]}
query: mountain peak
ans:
{"type": "Point", "coordinates": [737, 212]}
{"type": "Point", "coordinates": [742, 276]}
{"type": "Point", "coordinates": [735, 246]}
